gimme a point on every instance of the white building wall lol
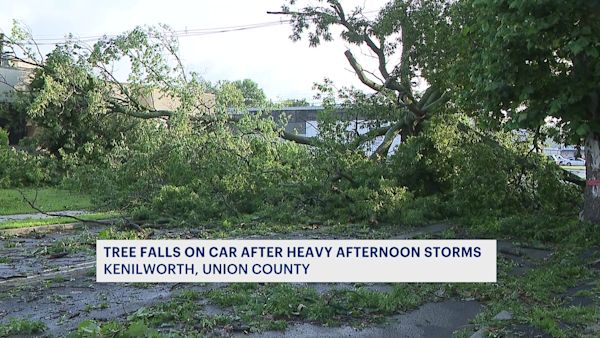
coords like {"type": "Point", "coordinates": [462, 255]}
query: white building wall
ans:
{"type": "Point", "coordinates": [11, 78]}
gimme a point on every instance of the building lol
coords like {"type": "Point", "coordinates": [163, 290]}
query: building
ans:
{"type": "Point", "coordinates": [11, 79]}
{"type": "Point", "coordinates": [303, 121]}
{"type": "Point", "coordinates": [14, 76]}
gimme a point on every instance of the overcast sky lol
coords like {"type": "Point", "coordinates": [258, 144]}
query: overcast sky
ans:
{"type": "Point", "coordinates": [284, 69]}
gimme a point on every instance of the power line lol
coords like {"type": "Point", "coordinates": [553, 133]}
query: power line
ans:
{"type": "Point", "coordinates": [184, 32]}
{"type": "Point", "coordinates": [177, 33]}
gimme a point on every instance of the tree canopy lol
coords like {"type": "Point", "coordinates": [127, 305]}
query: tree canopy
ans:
{"type": "Point", "coordinates": [524, 64]}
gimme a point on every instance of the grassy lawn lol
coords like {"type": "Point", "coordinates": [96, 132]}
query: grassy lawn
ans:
{"type": "Point", "coordinates": [575, 167]}
{"type": "Point", "coordinates": [26, 223]}
{"type": "Point", "coordinates": [48, 199]}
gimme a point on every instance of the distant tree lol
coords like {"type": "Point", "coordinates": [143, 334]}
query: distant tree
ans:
{"type": "Point", "coordinates": [239, 94]}
{"type": "Point", "coordinates": [253, 95]}
{"type": "Point", "coordinates": [227, 94]}
{"type": "Point", "coordinates": [294, 103]}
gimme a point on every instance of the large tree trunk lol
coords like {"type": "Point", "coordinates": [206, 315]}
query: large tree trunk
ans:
{"type": "Point", "coordinates": [591, 206]}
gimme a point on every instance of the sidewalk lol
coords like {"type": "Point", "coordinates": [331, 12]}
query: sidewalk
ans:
{"type": "Point", "coordinates": [19, 217]}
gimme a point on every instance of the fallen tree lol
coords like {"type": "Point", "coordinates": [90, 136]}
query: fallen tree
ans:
{"type": "Point", "coordinates": [200, 162]}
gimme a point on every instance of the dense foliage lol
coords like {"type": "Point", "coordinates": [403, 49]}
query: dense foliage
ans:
{"type": "Point", "coordinates": [24, 168]}
{"type": "Point", "coordinates": [199, 176]}
{"type": "Point", "coordinates": [224, 173]}
{"type": "Point", "coordinates": [529, 64]}
{"type": "Point", "coordinates": [195, 161]}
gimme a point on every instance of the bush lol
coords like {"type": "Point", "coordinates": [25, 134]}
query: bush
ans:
{"type": "Point", "coordinates": [20, 168]}
{"type": "Point", "coordinates": [3, 139]}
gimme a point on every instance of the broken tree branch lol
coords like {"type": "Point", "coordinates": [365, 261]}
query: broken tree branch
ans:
{"type": "Point", "coordinates": [358, 69]}
{"type": "Point", "coordinates": [388, 139]}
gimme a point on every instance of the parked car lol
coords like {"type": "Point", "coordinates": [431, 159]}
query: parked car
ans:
{"type": "Point", "coordinates": [558, 159]}
{"type": "Point", "coordinates": [574, 161]}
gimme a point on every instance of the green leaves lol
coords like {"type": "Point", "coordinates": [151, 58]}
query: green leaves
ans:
{"type": "Point", "coordinates": [579, 45]}
{"type": "Point", "coordinates": [83, 108]}
{"type": "Point", "coordinates": [538, 58]}
{"type": "Point", "coordinates": [583, 130]}
{"type": "Point", "coordinates": [239, 95]}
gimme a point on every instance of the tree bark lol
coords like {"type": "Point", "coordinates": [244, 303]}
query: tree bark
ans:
{"type": "Point", "coordinates": [591, 206]}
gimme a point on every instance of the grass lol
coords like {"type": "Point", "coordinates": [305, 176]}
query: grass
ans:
{"type": "Point", "coordinates": [537, 299]}
{"type": "Point", "coordinates": [27, 223]}
{"type": "Point", "coordinates": [19, 327]}
{"type": "Point", "coordinates": [271, 306]}
{"type": "Point", "coordinates": [182, 314]}
{"type": "Point", "coordinates": [48, 199]}
{"type": "Point", "coordinates": [576, 167]}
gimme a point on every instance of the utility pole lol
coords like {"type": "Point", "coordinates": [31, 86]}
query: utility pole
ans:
{"type": "Point", "coordinates": [1, 49]}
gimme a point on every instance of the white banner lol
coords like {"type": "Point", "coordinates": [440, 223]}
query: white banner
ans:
{"type": "Point", "coordinates": [179, 261]}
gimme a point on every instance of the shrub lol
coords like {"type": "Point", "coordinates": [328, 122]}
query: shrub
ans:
{"type": "Point", "coordinates": [22, 168]}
